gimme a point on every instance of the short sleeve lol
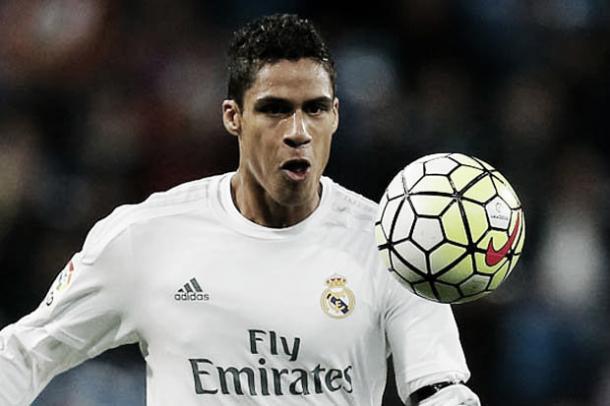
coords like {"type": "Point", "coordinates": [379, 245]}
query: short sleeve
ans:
{"type": "Point", "coordinates": [86, 307]}
{"type": "Point", "coordinates": [83, 314]}
{"type": "Point", "coordinates": [423, 339]}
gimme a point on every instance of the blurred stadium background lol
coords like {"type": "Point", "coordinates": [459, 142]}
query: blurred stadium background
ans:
{"type": "Point", "coordinates": [103, 102]}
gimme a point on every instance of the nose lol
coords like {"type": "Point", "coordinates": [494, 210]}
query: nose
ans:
{"type": "Point", "coordinates": [297, 134]}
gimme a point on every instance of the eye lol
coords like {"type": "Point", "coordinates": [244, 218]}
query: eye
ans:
{"type": "Point", "coordinates": [274, 108]}
{"type": "Point", "coordinates": [316, 108]}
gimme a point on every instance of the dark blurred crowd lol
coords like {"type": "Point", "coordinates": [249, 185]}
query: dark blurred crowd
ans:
{"type": "Point", "coordinates": [104, 102]}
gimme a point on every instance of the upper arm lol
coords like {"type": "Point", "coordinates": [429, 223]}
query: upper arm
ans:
{"type": "Point", "coordinates": [83, 314]}
{"type": "Point", "coordinates": [423, 338]}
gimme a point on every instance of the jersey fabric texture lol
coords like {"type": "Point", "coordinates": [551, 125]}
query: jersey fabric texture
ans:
{"type": "Point", "coordinates": [228, 312]}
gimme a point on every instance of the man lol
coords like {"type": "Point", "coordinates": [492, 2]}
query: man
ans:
{"type": "Point", "coordinates": [257, 287]}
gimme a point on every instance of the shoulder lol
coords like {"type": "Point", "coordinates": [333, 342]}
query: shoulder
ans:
{"type": "Point", "coordinates": [351, 209]}
{"type": "Point", "coordinates": [181, 199]}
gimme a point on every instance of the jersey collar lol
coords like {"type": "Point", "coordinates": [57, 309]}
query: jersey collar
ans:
{"type": "Point", "coordinates": [238, 222]}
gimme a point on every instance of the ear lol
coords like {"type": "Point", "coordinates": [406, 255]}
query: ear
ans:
{"type": "Point", "coordinates": [231, 117]}
{"type": "Point", "coordinates": [336, 114]}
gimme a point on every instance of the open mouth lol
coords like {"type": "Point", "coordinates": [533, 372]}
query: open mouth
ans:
{"type": "Point", "coordinates": [296, 169]}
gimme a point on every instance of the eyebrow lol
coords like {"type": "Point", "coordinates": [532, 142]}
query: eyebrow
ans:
{"type": "Point", "coordinates": [325, 100]}
{"type": "Point", "coordinates": [272, 99]}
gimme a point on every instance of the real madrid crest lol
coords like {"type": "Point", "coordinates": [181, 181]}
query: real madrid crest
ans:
{"type": "Point", "coordinates": [337, 300]}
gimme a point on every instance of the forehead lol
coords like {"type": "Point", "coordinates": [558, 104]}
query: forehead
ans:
{"type": "Point", "coordinates": [292, 80]}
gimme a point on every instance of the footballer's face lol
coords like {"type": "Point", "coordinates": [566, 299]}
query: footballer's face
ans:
{"type": "Point", "coordinates": [285, 127]}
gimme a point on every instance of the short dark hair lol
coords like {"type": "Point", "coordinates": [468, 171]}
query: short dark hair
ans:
{"type": "Point", "coordinates": [268, 40]}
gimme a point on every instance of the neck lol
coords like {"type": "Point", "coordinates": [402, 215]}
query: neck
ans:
{"type": "Point", "coordinates": [258, 206]}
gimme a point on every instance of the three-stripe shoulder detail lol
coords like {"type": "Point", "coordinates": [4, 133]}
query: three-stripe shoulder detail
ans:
{"type": "Point", "coordinates": [178, 200]}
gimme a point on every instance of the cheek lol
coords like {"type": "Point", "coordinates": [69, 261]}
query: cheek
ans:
{"type": "Point", "coordinates": [260, 153]}
{"type": "Point", "coordinates": [323, 150]}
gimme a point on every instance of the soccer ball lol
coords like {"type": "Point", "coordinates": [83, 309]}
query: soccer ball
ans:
{"type": "Point", "coordinates": [450, 228]}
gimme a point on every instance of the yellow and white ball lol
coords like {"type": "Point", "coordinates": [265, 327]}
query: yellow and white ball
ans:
{"type": "Point", "coordinates": [450, 227]}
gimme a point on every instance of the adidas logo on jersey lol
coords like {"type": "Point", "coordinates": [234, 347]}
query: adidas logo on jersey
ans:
{"type": "Point", "coordinates": [191, 292]}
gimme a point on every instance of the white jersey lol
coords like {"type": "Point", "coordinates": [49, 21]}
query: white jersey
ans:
{"type": "Point", "coordinates": [227, 312]}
